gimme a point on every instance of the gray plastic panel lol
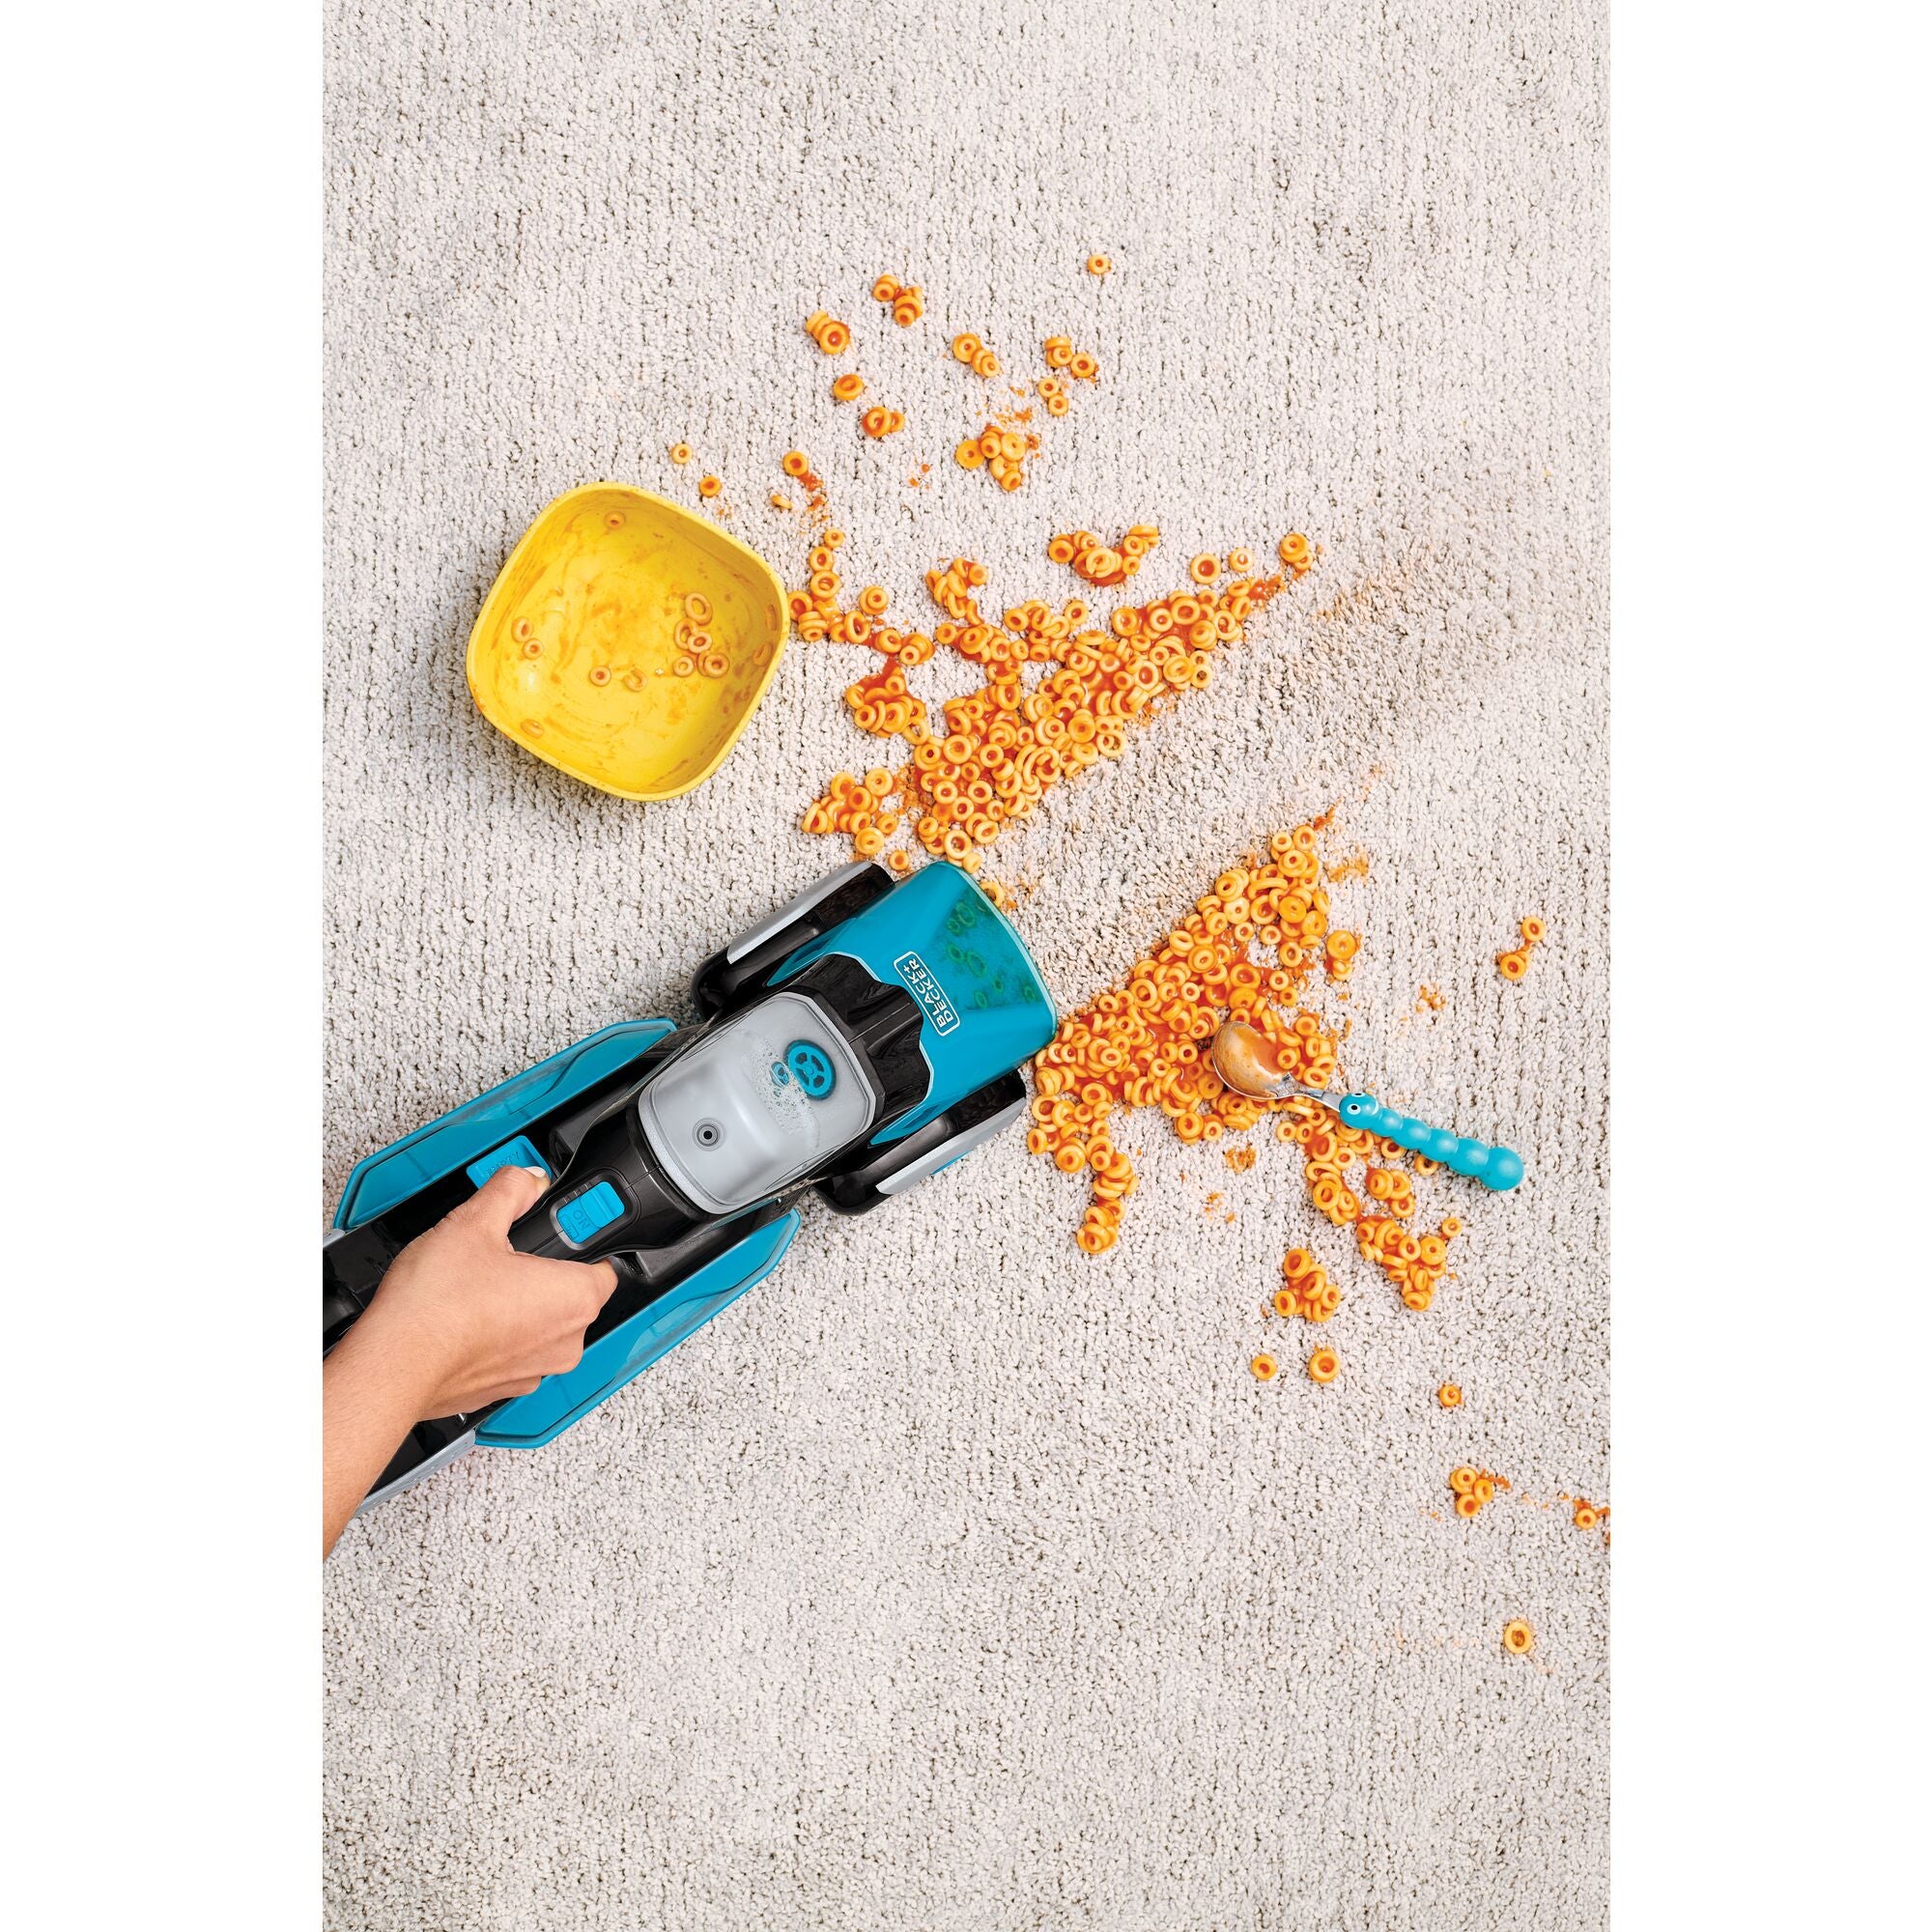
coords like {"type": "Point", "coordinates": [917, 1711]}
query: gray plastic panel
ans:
{"type": "Point", "coordinates": [749, 940]}
{"type": "Point", "coordinates": [731, 1127]}
{"type": "Point", "coordinates": [442, 1460]}
{"type": "Point", "coordinates": [948, 1152]}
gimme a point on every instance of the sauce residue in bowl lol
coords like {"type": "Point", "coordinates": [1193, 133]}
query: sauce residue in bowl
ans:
{"type": "Point", "coordinates": [621, 646]}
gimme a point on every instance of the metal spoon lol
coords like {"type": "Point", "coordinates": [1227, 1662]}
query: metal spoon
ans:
{"type": "Point", "coordinates": [1246, 1062]}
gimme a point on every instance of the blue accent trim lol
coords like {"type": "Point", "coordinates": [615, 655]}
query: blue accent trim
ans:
{"type": "Point", "coordinates": [446, 1144]}
{"type": "Point", "coordinates": [587, 1214]}
{"type": "Point", "coordinates": [812, 1069]}
{"type": "Point", "coordinates": [518, 1153]}
{"type": "Point", "coordinates": [985, 1008]}
{"type": "Point", "coordinates": [614, 1359]}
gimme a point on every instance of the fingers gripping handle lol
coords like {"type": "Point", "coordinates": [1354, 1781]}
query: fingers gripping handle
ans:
{"type": "Point", "coordinates": [537, 1232]}
{"type": "Point", "coordinates": [1497, 1168]}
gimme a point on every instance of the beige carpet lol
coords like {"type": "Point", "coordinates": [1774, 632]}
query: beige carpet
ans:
{"type": "Point", "coordinates": [951, 1580]}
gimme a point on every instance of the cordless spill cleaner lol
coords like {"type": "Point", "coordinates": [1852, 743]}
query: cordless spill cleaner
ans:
{"type": "Point", "coordinates": [857, 1042]}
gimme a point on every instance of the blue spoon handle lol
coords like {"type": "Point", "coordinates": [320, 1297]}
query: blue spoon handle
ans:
{"type": "Point", "coordinates": [1496, 1167]}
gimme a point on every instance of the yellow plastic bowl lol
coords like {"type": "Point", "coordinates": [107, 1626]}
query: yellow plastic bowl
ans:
{"type": "Point", "coordinates": [627, 642]}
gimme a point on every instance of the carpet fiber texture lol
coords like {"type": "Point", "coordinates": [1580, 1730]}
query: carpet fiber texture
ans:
{"type": "Point", "coordinates": [952, 1579]}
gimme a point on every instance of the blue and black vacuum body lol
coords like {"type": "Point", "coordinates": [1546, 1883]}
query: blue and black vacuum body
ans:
{"type": "Point", "coordinates": [858, 1039]}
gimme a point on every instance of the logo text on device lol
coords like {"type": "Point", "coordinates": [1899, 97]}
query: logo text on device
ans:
{"type": "Point", "coordinates": [927, 990]}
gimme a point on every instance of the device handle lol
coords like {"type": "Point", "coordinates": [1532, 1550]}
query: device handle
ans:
{"type": "Point", "coordinates": [535, 1233]}
{"type": "Point", "coordinates": [1497, 1168]}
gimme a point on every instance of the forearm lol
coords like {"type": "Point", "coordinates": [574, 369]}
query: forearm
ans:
{"type": "Point", "coordinates": [368, 1408]}
{"type": "Point", "coordinates": [462, 1321]}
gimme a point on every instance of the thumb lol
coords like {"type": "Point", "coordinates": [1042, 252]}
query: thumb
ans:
{"type": "Point", "coordinates": [509, 1194]}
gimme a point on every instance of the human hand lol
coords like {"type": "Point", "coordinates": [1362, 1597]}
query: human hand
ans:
{"type": "Point", "coordinates": [469, 1321]}
{"type": "Point", "coordinates": [460, 1320]}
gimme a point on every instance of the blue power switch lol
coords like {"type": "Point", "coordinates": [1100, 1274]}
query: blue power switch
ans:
{"type": "Point", "coordinates": [587, 1214]}
{"type": "Point", "coordinates": [811, 1068]}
